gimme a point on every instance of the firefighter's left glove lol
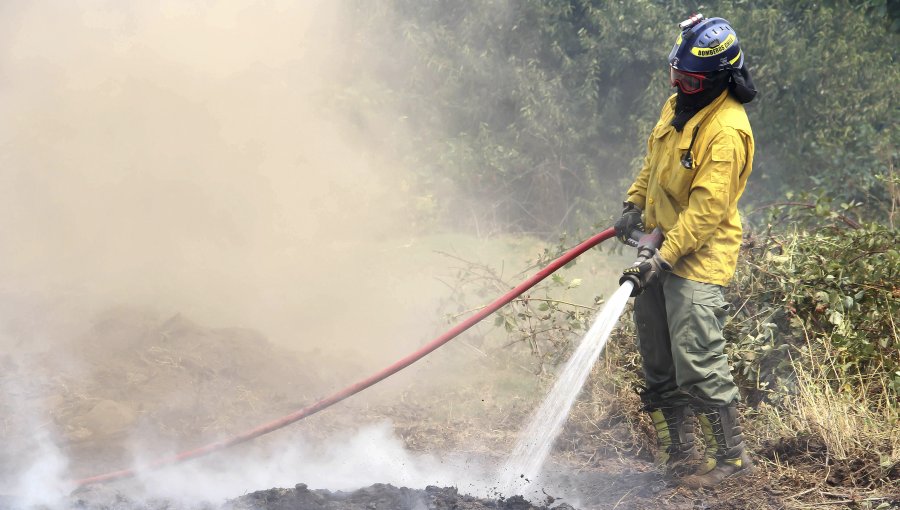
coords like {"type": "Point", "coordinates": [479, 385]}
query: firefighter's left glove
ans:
{"type": "Point", "coordinates": [628, 222]}
{"type": "Point", "coordinates": [645, 271]}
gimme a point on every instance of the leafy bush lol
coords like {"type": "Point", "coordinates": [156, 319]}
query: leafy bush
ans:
{"type": "Point", "coordinates": [834, 289]}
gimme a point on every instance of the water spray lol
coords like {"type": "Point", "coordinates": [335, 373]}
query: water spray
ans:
{"type": "Point", "coordinates": [526, 462]}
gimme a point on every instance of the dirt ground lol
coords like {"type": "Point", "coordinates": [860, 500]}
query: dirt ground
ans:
{"type": "Point", "coordinates": [182, 384]}
{"type": "Point", "coordinates": [598, 489]}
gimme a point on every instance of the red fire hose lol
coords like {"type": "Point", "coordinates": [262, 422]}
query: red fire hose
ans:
{"type": "Point", "coordinates": [365, 383]}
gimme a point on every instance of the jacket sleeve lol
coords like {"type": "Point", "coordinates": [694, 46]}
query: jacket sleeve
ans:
{"type": "Point", "coordinates": [712, 191]}
{"type": "Point", "coordinates": [637, 193]}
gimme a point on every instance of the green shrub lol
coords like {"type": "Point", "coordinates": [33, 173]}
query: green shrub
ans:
{"type": "Point", "coordinates": [834, 289]}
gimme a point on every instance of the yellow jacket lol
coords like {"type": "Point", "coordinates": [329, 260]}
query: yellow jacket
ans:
{"type": "Point", "coordinates": [697, 208]}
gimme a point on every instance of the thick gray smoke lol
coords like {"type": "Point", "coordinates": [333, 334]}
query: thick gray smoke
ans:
{"type": "Point", "coordinates": [191, 157]}
{"type": "Point", "coordinates": [170, 162]}
{"type": "Point", "coordinates": [188, 158]}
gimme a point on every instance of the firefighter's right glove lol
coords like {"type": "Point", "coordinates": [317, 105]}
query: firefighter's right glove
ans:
{"type": "Point", "coordinates": [645, 271]}
{"type": "Point", "coordinates": [628, 222]}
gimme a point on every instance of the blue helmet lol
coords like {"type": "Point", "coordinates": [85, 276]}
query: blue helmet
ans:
{"type": "Point", "coordinates": [706, 45]}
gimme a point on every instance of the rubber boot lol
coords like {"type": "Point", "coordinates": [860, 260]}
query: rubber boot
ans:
{"type": "Point", "coordinates": [725, 452]}
{"type": "Point", "coordinates": [677, 453]}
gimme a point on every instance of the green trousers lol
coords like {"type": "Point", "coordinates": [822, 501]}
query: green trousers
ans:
{"type": "Point", "coordinates": [679, 333]}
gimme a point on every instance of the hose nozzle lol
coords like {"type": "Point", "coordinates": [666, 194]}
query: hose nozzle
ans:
{"type": "Point", "coordinates": [646, 245]}
{"type": "Point", "coordinates": [643, 240]}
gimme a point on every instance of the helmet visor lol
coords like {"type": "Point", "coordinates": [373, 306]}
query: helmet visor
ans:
{"type": "Point", "coordinates": [689, 83]}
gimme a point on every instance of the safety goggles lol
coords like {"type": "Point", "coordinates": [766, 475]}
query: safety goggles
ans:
{"type": "Point", "coordinates": [689, 83]}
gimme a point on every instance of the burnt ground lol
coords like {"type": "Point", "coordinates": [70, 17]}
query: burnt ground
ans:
{"type": "Point", "coordinates": [608, 485]}
{"type": "Point", "coordinates": [192, 384]}
{"type": "Point", "coordinates": [598, 490]}
{"type": "Point", "coordinates": [375, 497]}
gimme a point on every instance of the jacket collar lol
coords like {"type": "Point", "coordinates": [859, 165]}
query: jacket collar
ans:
{"type": "Point", "coordinates": [684, 140]}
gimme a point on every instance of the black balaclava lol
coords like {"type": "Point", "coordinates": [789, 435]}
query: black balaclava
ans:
{"type": "Point", "coordinates": [738, 82]}
{"type": "Point", "coordinates": [741, 85]}
{"type": "Point", "coordinates": [687, 105]}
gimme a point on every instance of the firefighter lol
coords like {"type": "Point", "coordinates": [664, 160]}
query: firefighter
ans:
{"type": "Point", "coordinates": [699, 157]}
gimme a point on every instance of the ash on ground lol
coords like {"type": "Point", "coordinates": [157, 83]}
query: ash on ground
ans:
{"type": "Point", "coordinates": [374, 497]}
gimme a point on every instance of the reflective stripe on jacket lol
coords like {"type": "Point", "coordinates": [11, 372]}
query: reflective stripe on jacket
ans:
{"type": "Point", "coordinates": [696, 208]}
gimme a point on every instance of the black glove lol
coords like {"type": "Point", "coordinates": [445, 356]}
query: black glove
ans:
{"type": "Point", "coordinates": [645, 271]}
{"type": "Point", "coordinates": [628, 222]}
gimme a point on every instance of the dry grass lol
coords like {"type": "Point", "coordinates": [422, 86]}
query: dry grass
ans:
{"type": "Point", "coordinates": [850, 423]}
{"type": "Point", "coordinates": [838, 441]}
{"type": "Point", "coordinates": [853, 418]}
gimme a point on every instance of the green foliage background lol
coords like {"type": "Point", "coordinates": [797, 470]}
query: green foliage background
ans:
{"type": "Point", "coordinates": [531, 115]}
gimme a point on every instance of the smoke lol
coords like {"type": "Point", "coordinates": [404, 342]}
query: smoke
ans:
{"type": "Point", "coordinates": [191, 157]}
{"type": "Point", "coordinates": [38, 476]}
{"type": "Point", "coordinates": [42, 481]}
{"type": "Point", "coordinates": [216, 160]}
{"type": "Point", "coordinates": [348, 461]}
